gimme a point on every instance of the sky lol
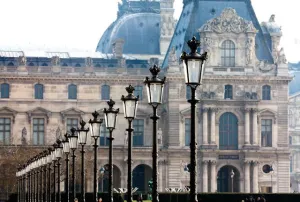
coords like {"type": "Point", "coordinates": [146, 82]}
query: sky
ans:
{"type": "Point", "coordinates": [77, 25]}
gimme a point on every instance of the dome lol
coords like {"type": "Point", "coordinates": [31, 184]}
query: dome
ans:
{"type": "Point", "coordinates": [138, 24]}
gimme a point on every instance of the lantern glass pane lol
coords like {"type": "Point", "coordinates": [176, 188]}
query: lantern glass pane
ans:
{"type": "Point", "coordinates": [185, 71]}
{"type": "Point", "coordinates": [66, 147]}
{"type": "Point", "coordinates": [82, 136]}
{"type": "Point", "coordinates": [95, 129]}
{"type": "Point", "coordinates": [58, 152]}
{"type": "Point", "coordinates": [110, 120]}
{"type": "Point", "coordinates": [156, 92]}
{"type": "Point", "coordinates": [130, 108]}
{"type": "Point", "coordinates": [194, 70]}
{"type": "Point", "coordinates": [49, 159]}
{"type": "Point", "coordinates": [53, 155]}
{"type": "Point", "coordinates": [73, 142]}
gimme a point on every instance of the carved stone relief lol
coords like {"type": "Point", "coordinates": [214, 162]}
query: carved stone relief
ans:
{"type": "Point", "coordinates": [24, 137]}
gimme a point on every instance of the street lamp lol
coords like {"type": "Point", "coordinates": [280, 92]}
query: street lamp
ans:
{"type": "Point", "coordinates": [44, 167]}
{"type": "Point", "coordinates": [271, 172]}
{"type": "Point", "coordinates": [110, 115]}
{"type": "Point", "coordinates": [193, 65]}
{"type": "Point", "coordinates": [66, 150]}
{"type": "Point", "coordinates": [155, 87]}
{"type": "Point", "coordinates": [130, 103]}
{"type": "Point", "coordinates": [58, 154]}
{"type": "Point", "coordinates": [49, 162]}
{"type": "Point", "coordinates": [82, 136]}
{"type": "Point", "coordinates": [232, 176]}
{"type": "Point", "coordinates": [73, 138]}
{"type": "Point", "coordinates": [54, 160]}
{"type": "Point", "coordinates": [94, 126]}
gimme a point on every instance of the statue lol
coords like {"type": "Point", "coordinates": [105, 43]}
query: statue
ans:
{"type": "Point", "coordinates": [88, 62]}
{"type": "Point", "coordinates": [173, 61]}
{"type": "Point", "coordinates": [22, 60]}
{"type": "Point", "coordinates": [23, 138]}
{"type": "Point", "coordinates": [55, 61]}
{"type": "Point", "coordinates": [281, 57]}
{"type": "Point", "coordinates": [249, 45]}
{"type": "Point", "coordinates": [272, 18]}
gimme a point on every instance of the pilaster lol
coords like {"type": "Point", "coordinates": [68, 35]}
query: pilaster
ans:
{"type": "Point", "coordinates": [213, 174]}
{"type": "Point", "coordinates": [205, 176]}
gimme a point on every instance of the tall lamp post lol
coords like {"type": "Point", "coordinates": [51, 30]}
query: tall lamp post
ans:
{"type": "Point", "coordinates": [66, 150]}
{"type": "Point", "coordinates": [155, 87]}
{"type": "Point", "coordinates": [49, 162]}
{"type": "Point", "coordinates": [73, 138]}
{"type": "Point", "coordinates": [110, 115]}
{"type": "Point", "coordinates": [271, 172]}
{"type": "Point", "coordinates": [58, 155]}
{"type": "Point", "coordinates": [82, 137]}
{"type": "Point", "coordinates": [232, 177]}
{"type": "Point", "coordinates": [54, 160]}
{"type": "Point", "coordinates": [45, 175]}
{"type": "Point", "coordinates": [95, 124]}
{"type": "Point", "coordinates": [130, 103]}
{"type": "Point", "coordinates": [193, 64]}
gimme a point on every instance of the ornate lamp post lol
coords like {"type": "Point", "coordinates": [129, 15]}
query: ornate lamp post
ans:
{"type": "Point", "coordinates": [73, 138]}
{"type": "Point", "coordinates": [130, 103]}
{"type": "Point", "coordinates": [95, 134]}
{"type": "Point", "coordinates": [58, 155]}
{"type": "Point", "coordinates": [82, 137]}
{"type": "Point", "coordinates": [54, 160]}
{"type": "Point", "coordinates": [193, 64]}
{"type": "Point", "coordinates": [39, 177]}
{"type": "Point", "coordinates": [110, 115]}
{"type": "Point", "coordinates": [66, 150]}
{"type": "Point", "coordinates": [49, 162]}
{"type": "Point", "coordinates": [45, 154]}
{"type": "Point", "coordinates": [34, 166]}
{"type": "Point", "coordinates": [232, 176]}
{"type": "Point", "coordinates": [155, 88]}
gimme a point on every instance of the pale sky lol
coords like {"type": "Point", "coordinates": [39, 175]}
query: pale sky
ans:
{"type": "Point", "coordinates": [70, 25]}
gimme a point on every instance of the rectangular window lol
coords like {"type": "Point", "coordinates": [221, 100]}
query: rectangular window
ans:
{"type": "Point", "coordinates": [228, 92]}
{"type": "Point", "coordinates": [38, 131]}
{"type": "Point", "coordinates": [138, 91]}
{"type": "Point", "coordinates": [104, 134]}
{"type": "Point", "coordinates": [187, 133]}
{"type": "Point", "coordinates": [291, 164]}
{"type": "Point", "coordinates": [5, 128]}
{"type": "Point", "coordinates": [138, 133]}
{"type": "Point", "coordinates": [266, 132]}
{"type": "Point", "coordinates": [72, 123]}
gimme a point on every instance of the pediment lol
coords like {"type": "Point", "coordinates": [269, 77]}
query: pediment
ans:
{"type": "Point", "coordinates": [39, 111]}
{"type": "Point", "coordinates": [267, 112]}
{"type": "Point", "coordinates": [228, 21]}
{"type": "Point", "coordinates": [8, 112]}
{"type": "Point", "coordinates": [71, 112]}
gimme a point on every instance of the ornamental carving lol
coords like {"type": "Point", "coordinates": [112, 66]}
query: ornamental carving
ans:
{"type": "Point", "coordinates": [228, 21]}
{"type": "Point", "coordinates": [265, 67]}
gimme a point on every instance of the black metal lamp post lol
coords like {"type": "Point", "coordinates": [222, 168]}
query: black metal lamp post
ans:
{"type": "Point", "coordinates": [49, 162]}
{"type": "Point", "coordinates": [130, 103]}
{"type": "Point", "coordinates": [73, 138]}
{"type": "Point", "coordinates": [66, 150]}
{"type": "Point", "coordinates": [58, 155]}
{"type": "Point", "coordinates": [110, 115]}
{"type": "Point", "coordinates": [155, 88]}
{"type": "Point", "coordinates": [44, 167]}
{"type": "Point", "coordinates": [95, 134]}
{"type": "Point", "coordinates": [193, 64]}
{"type": "Point", "coordinates": [39, 177]}
{"type": "Point", "coordinates": [35, 179]}
{"type": "Point", "coordinates": [54, 160]}
{"type": "Point", "coordinates": [82, 137]}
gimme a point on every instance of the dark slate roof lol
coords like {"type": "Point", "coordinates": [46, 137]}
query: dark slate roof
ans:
{"type": "Point", "coordinates": [196, 13]}
{"type": "Point", "coordinates": [138, 25]}
{"type": "Point", "coordinates": [294, 85]}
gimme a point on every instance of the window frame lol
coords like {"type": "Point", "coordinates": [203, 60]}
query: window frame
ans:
{"type": "Point", "coordinates": [104, 92]}
{"type": "Point", "coordinates": [39, 90]}
{"type": "Point", "coordinates": [6, 87]}
{"type": "Point", "coordinates": [139, 91]}
{"type": "Point", "coordinates": [187, 132]}
{"type": "Point", "coordinates": [266, 92]}
{"type": "Point", "coordinates": [6, 141]}
{"type": "Point", "coordinates": [104, 134]}
{"type": "Point", "coordinates": [71, 125]}
{"type": "Point", "coordinates": [228, 93]}
{"type": "Point", "coordinates": [227, 131]}
{"type": "Point", "coordinates": [228, 53]}
{"type": "Point", "coordinates": [38, 135]}
{"type": "Point", "coordinates": [268, 142]}
{"type": "Point", "coordinates": [138, 140]}
{"type": "Point", "coordinates": [72, 87]}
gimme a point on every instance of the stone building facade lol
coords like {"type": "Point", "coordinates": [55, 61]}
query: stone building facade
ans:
{"type": "Point", "coordinates": [242, 116]}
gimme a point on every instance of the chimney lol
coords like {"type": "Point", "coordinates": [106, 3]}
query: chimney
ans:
{"type": "Point", "coordinates": [117, 48]}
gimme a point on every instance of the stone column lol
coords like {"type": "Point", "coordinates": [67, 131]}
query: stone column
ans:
{"type": "Point", "coordinates": [205, 176]}
{"type": "Point", "coordinates": [255, 177]}
{"type": "Point", "coordinates": [213, 126]}
{"type": "Point", "coordinates": [204, 126]}
{"type": "Point", "coordinates": [247, 176]}
{"type": "Point", "coordinates": [213, 180]}
{"type": "Point", "coordinates": [254, 127]}
{"type": "Point", "coordinates": [247, 126]}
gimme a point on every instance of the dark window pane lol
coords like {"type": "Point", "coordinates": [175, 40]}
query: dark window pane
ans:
{"type": "Point", "coordinates": [105, 92]}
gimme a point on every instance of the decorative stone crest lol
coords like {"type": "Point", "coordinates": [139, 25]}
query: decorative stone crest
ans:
{"type": "Point", "coordinates": [265, 67]}
{"type": "Point", "coordinates": [228, 21]}
{"type": "Point", "coordinates": [22, 60]}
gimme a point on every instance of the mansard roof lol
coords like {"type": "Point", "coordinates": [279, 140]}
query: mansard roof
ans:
{"type": "Point", "coordinates": [196, 13]}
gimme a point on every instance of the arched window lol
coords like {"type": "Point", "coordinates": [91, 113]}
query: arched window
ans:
{"type": "Point", "coordinates": [266, 92]}
{"type": "Point", "coordinates": [11, 64]}
{"type": "Point", "coordinates": [44, 64]}
{"type": "Point", "coordinates": [144, 66]}
{"type": "Point", "coordinates": [65, 65]}
{"type": "Point", "coordinates": [130, 66]}
{"type": "Point", "coordinates": [39, 91]}
{"type": "Point", "coordinates": [228, 54]}
{"type": "Point", "coordinates": [138, 91]}
{"type": "Point", "coordinates": [228, 92]}
{"type": "Point", "coordinates": [31, 64]}
{"type": "Point", "coordinates": [105, 92]}
{"type": "Point", "coordinates": [97, 65]}
{"type": "Point", "coordinates": [77, 65]}
{"type": "Point", "coordinates": [188, 92]}
{"type": "Point", "coordinates": [111, 65]}
{"type": "Point", "coordinates": [72, 92]}
{"type": "Point", "coordinates": [228, 132]}
{"type": "Point", "coordinates": [4, 90]}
